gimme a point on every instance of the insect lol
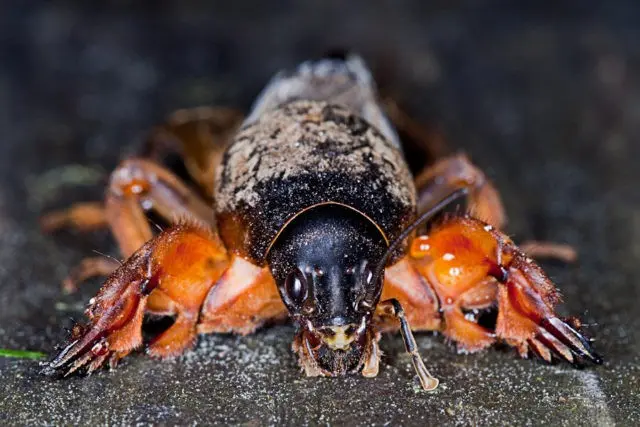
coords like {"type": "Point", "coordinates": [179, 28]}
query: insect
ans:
{"type": "Point", "coordinates": [306, 208]}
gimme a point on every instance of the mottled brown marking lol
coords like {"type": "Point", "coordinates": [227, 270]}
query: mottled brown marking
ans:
{"type": "Point", "coordinates": [284, 162]}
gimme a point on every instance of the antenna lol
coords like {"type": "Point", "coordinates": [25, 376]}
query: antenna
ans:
{"type": "Point", "coordinates": [435, 209]}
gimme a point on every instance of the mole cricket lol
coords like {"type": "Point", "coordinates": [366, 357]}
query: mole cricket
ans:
{"type": "Point", "coordinates": [307, 209]}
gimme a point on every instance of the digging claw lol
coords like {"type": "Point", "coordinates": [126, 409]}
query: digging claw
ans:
{"type": "Point", "coordinates": [572, 338]}
{"type": "Point", "coordinates": [557, 338]}
{"type": "Point", "coordinates": [90, 350]}
{"type": "Point", "coordinates": [565, 342]}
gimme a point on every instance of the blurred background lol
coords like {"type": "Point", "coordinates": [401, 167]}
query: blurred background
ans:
{"type": "Point", "coordinates": [545, 97]}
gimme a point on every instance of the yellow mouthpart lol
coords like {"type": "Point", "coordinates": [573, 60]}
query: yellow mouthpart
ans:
{"type": "Point", "coordinates": [337, 338]}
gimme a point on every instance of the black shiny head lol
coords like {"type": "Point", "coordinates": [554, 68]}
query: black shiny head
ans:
{"type": "Point", "coordinates": [323, 263]}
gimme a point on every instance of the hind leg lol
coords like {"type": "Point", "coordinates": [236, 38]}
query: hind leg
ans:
{"type": "Point", "coordinates": [483, 200]}
{"type": "Point", "coordinates": [426, 142]}
{"type": "Point", "coordinates": [199, 135]}
{"type": "Point", "coordinates": [87, 216]}
{"type": "Point", "coordinates": [447, 173]}
{"type": "Point", "coordinates": [98, 266]}
{"type": "Point", "coordinates": [137, 186]}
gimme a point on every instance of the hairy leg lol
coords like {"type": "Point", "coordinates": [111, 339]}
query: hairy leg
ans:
{"type": "Point", "coordinates": [183, 272]}
{"type": "Point", "coordinates": [182, 264]}
{"type": "Point", "coordinates": [471, 266]}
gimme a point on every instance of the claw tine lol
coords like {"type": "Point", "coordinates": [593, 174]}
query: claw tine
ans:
{"type": "Point", "coordinates": [79, 363]}
{"type": "Point", "coordinates": [64, 356]}
{"type": "Point", "coordinates": [556, 346]}
{"type": "Point", "coordinates": [571, 338]}
{"type": "Point", "coordinates": [96, 363]}
{"type": "Point", "coordinates": [71, 351]}
{"type": "Point", "coordinates": [113, 360]}
{"type": "Point", "coordinates": [540, 350]}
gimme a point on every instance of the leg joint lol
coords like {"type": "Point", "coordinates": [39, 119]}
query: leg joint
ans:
{"type": "Point", "coordinates": [132, 178]}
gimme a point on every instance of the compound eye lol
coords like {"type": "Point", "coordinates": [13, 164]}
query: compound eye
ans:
{"type": "Point", "coordinates": [295, 286]}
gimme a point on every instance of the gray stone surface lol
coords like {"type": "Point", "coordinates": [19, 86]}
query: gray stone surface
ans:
{"type": "Point", "coordinates": [546, 99]}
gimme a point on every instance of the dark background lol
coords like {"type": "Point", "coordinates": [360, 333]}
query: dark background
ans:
{"type": "Point", "coordinates": [546, 98]}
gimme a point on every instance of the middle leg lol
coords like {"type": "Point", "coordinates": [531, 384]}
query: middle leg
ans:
{"type": "Point", "coordinates": [457, 172]}
{"type": "Point", "coordinates": [452, 172]}
{"type": "Point", "coordinates": [199, 135]}
{"type": "Point", "coordinates": [135, 187]}
{"type": "Point", "coordinates": [447, 175]}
